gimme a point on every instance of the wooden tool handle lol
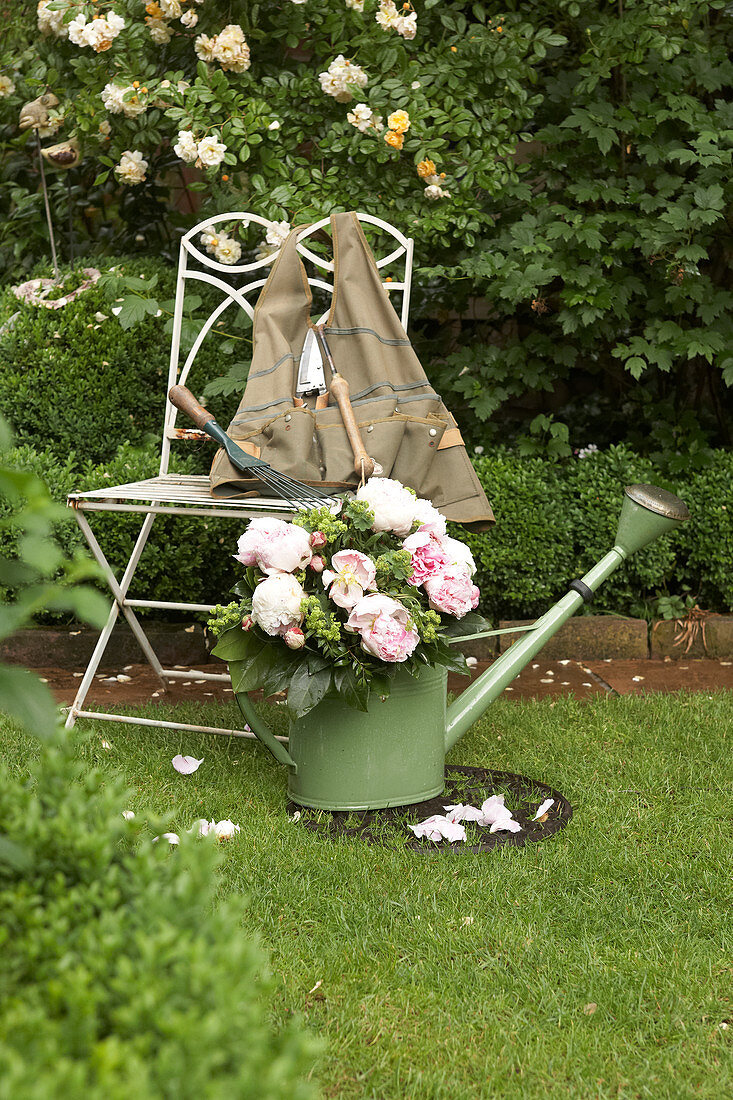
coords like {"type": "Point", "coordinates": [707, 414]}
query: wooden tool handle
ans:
{"type": "Point", "coordinates": [363, 464]}
{"type": "Point", "coordinates": [183, 399]}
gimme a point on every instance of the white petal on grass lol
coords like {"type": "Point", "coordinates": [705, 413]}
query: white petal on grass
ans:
{"type": "Point", "coordinates": [225, 830]}
{"type": "Point", "coordinates": [186, 764]}
{"type": "Point", "coordinates": [462, 812]}
{"type": "Point", "coordinates": [128, 815]}
{"type": "Point", "coordinates": [172, 838]}
{"type": "Point", "coordinates": [546, 805]}
{"type": "Point", "coordinates": [439, 828]}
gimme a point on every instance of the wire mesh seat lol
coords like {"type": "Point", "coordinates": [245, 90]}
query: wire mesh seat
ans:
{"type": "Point", "coordinates": [188, 494]}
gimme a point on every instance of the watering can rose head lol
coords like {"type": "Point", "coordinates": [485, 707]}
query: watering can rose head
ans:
{"type": "Point", "coordinates": [341, 597]}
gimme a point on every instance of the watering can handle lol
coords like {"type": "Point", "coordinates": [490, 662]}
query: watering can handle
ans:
{"type": "Point", "coordinates": [262, 731]}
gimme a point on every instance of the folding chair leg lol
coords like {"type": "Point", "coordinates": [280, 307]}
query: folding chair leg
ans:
{"type": "Point", "coordinates": [119, 591]}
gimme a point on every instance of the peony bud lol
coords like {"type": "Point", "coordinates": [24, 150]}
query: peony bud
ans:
{"type": "Point", "coordinates": [317, 540]}
{"type": "Point", "coordinates": [247, 622]}
{"type": "Point", "coordinates": [294, 638]}
{"type": "Point", "coordinates": [317, 564]}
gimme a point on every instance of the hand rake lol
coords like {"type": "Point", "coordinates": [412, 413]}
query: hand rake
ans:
{"type": "Point", "coordinates": [301, 495]}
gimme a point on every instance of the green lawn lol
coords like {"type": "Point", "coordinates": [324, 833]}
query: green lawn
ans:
{"type": "Point", "coordinates": [476, 976]}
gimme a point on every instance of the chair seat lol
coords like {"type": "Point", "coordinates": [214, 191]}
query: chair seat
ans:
{"type": "Point", "coordinates": [175, 492]}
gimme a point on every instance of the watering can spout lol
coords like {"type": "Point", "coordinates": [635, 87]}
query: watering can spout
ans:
{"type": "Point", "coordinates": [646, 513]}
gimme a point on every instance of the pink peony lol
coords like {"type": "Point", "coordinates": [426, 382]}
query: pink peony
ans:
{"type": "Point", "coordinates": [317, 540]}
{"type": "Point", "coordinates": [459, 554]}
{"type": "Point", "coordinates": [274, 546]}
{"type": "Point", "coordinates": [352, 574]}
{"type": "Point", "coordinates": [452, 591]}
{"type": "Point", "coordinates": [276, 604]}
{"type": "Point", "coordinates": [385, 628]}
{"type": "Point", "coordinates": [427, 554]}
{"type": "Point", "coordinates": [317, 564]}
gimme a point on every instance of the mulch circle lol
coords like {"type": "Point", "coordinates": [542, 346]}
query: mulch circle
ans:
{"type": "Point", "coordinates": [462, 784]}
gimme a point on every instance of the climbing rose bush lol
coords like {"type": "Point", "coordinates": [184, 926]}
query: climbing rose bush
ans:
{"type": "Point", "coordinates": [293, 107]}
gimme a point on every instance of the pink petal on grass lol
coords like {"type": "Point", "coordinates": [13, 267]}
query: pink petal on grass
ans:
{"type": "Point", "coordinates": [186, 764]}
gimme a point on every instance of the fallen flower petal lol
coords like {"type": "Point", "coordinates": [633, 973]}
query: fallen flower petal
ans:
{"type": "Point", "coordinates": [201, 827]}
{"type": "Point", "coordinates": [463, 812]}
{"type": "Point", "coordinates": [439, 828]}
{"type": "Point", "coordinates": [225, 830]}
{"type": "Point", "coordinates": [172, 838]}
{"type": "Point", "coordinates": [546, 805]}
{"type": "Point", "coordinates": [128, 815]}
{"type": "Point", "coordinates": [186, 764]}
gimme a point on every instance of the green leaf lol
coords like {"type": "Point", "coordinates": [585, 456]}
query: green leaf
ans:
{"type": "Point", "coordinates": [234, 644]}
{"type": "Point", "coordinates": [134, 309]}
{"type": "Point", "coordinates": [27, 700]}
{"type": "Point", "coordinates": [307, 689]}
{"type": "Point", "coordinates": [13, 856]}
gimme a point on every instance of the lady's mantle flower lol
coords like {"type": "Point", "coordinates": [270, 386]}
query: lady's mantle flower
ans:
{"type": "Point", "coordinates": [341, 78]}
{"type": "Point", "coordinates": [276, 604]}
{"type": "Point", "coordinates": [228, 47]}
{"type": "Point", "coordinates": [6, 85]}
{"type": "Point", "coordinates": [274, 546]}
{"type": "Point", "coordinates": [211, 151]}
{"type": "Point", "coordinates": [385, 628]}
{"type": "Point", "coordinates": [352, 573]}
{"type": "Point", "coordinates": [99, 32]}
{"type": "Point", "coordinates": [132, 166]}
{"type": "Point", "coordinates": [118, 101]}
{"type": "Point", "coordinates": [363, 118]}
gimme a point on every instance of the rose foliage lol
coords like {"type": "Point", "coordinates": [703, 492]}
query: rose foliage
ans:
{"type": "Point", "coordinates": [337, 601]}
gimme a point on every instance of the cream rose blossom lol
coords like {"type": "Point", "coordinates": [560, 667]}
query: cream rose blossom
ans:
{"type": "Point", "coordinates": [132, 167]}
{"type": "Point", "coordinates": [211, 151]}
{"type": "Point", "coordinates": [186, 147]}
{"type": "Point", "coordinates": [341, 77]}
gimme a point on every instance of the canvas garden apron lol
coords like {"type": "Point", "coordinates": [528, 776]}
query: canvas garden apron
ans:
{"type": "Point", "coordinates": [403, 422]}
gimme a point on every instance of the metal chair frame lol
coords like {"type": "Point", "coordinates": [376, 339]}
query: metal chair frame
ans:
{"type": "Point", "coordinates": [188, 495]}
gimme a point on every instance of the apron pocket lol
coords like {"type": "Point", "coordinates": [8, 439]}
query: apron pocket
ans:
{"type": "Point", "coordinates": [381, 431]}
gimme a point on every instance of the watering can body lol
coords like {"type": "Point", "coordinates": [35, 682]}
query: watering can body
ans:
{"type": "Point", "coordinates": [340, 758]}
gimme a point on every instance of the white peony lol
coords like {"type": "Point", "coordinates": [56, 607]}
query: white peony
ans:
{"type": "Point", "coordinates": [392, 504]}
{"type": "Point", "coordinates": [211, 152]}
{"type": "Point", "coordinates": [458, 554]}
{"type": "Point", "coordinates": [132, 166]}
{"type": "Point", "coordinates": [186, 147]}
{"type": "Point", "coordinates": [113, 97]}
{"type": "Point", "coordinates": [341, 77]}
{"type": "Point", "coordinates": [6, 85]}
{"type": "Point", "coordinates": [276, 603]}
{"type": "Point", "coordinates": [430, 517]}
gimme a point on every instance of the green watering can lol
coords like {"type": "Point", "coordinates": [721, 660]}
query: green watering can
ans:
{"type": "Point", "coordinates": [339, 758]}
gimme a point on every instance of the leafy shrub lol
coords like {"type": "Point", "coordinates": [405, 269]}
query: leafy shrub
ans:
{"type": "Point", "coordinates": [520, 559]}
{"type": "Point", "coordinates": [70, 381]}
{"type": "Point", "coordinates": [185, 559]}
{"type": "Point", "coordinates": [705, 544]}
{"type": "Point", "coordinates": [121, 976]}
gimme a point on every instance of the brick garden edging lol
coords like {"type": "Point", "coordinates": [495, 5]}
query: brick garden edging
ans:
{"type": "Point", "coordinates": [584, 638]}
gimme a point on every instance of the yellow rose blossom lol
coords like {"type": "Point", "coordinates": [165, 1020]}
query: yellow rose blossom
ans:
{"type": "Point", "coordinates": [399, 121]}
{"type": "Point", "coordinates": [394, 139]}
{"type": "Point", "coordinates": [426, 168]}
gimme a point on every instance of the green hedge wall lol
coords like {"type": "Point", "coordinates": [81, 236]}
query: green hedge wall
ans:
{"type": "Point", "coordinates": [554, 520]}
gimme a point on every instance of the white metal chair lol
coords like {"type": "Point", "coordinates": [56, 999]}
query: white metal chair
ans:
{"type": "Point", "coordinates": [188, 495]}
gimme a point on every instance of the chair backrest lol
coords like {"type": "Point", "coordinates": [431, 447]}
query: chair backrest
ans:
{"type": "Point", "coordinates": [231, 280]}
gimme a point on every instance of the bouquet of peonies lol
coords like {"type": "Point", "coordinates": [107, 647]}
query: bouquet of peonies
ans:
{"type": "Point", "coordinates": [345, 595]}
